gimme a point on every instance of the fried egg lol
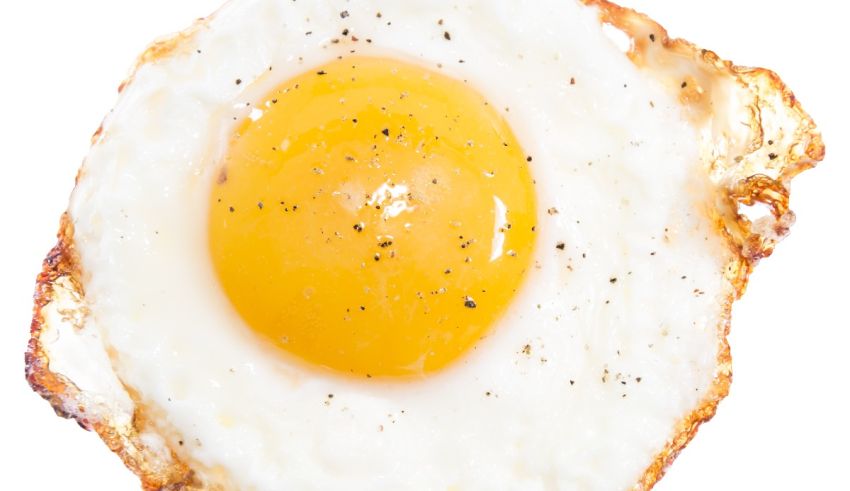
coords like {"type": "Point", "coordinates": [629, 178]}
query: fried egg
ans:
{"type": "Point", "coordinates": [421, 245]}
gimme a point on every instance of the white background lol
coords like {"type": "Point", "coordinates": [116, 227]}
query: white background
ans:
{"type": "Point", "coordinates": [785, 425]}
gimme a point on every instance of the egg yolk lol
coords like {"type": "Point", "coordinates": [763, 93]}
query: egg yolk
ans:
{"type": "Point", "coordinates": [373, 217]}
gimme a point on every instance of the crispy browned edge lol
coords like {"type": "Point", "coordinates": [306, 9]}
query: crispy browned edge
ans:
{"type": "Point", "coordinates": [748, 248]}
{"type": "Point", "coordinates": [62, 264]}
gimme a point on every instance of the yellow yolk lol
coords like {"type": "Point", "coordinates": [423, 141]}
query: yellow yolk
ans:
{"type": "Point", "coordinates": [373, 217]}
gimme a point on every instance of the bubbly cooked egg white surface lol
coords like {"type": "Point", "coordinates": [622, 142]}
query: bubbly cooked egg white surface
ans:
{"type": "Point", "coordinates": [402, 245]}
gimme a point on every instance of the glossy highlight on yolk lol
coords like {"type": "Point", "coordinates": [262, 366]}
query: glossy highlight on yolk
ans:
{"type": "Point", "coordinates": [373, 217]}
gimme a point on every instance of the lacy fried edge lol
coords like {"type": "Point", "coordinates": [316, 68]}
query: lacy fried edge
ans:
{"type": "Point", "coordinates": [58, 281]}
{"type": "Point", "coordinates": [748, 242]}
{"type": "Point", "coordinates": [61, 277]}
{"type": "Point", "coordinates": [759, 173]}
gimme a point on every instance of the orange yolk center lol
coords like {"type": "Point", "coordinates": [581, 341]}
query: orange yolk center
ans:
{"type": "Point", "coordinates": [373, 217]}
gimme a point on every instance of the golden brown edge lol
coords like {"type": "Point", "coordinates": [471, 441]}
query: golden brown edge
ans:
{"type": "Point", "coordinates": [61, 270]}
{"type": "Point", "coordinates": [747, 246]}
{"type": "Point", "coordinates": [62, 264]}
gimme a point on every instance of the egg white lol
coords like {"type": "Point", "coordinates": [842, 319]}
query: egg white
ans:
{"type": "Point", "coordinates": [621, 325]}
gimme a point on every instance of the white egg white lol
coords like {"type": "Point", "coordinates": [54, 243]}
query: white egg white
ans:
{"type": "Point", "coordinates": [613, 340]}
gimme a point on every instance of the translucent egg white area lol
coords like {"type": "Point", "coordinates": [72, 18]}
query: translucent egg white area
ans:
{"type": "Point", "coordinates": [621, 324]}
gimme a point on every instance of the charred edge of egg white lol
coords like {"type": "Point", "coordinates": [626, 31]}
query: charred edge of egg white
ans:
{"type": "Point", "coordinates": [761, 174]}
{"type": "Point", "coordinates": [761, 179]}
